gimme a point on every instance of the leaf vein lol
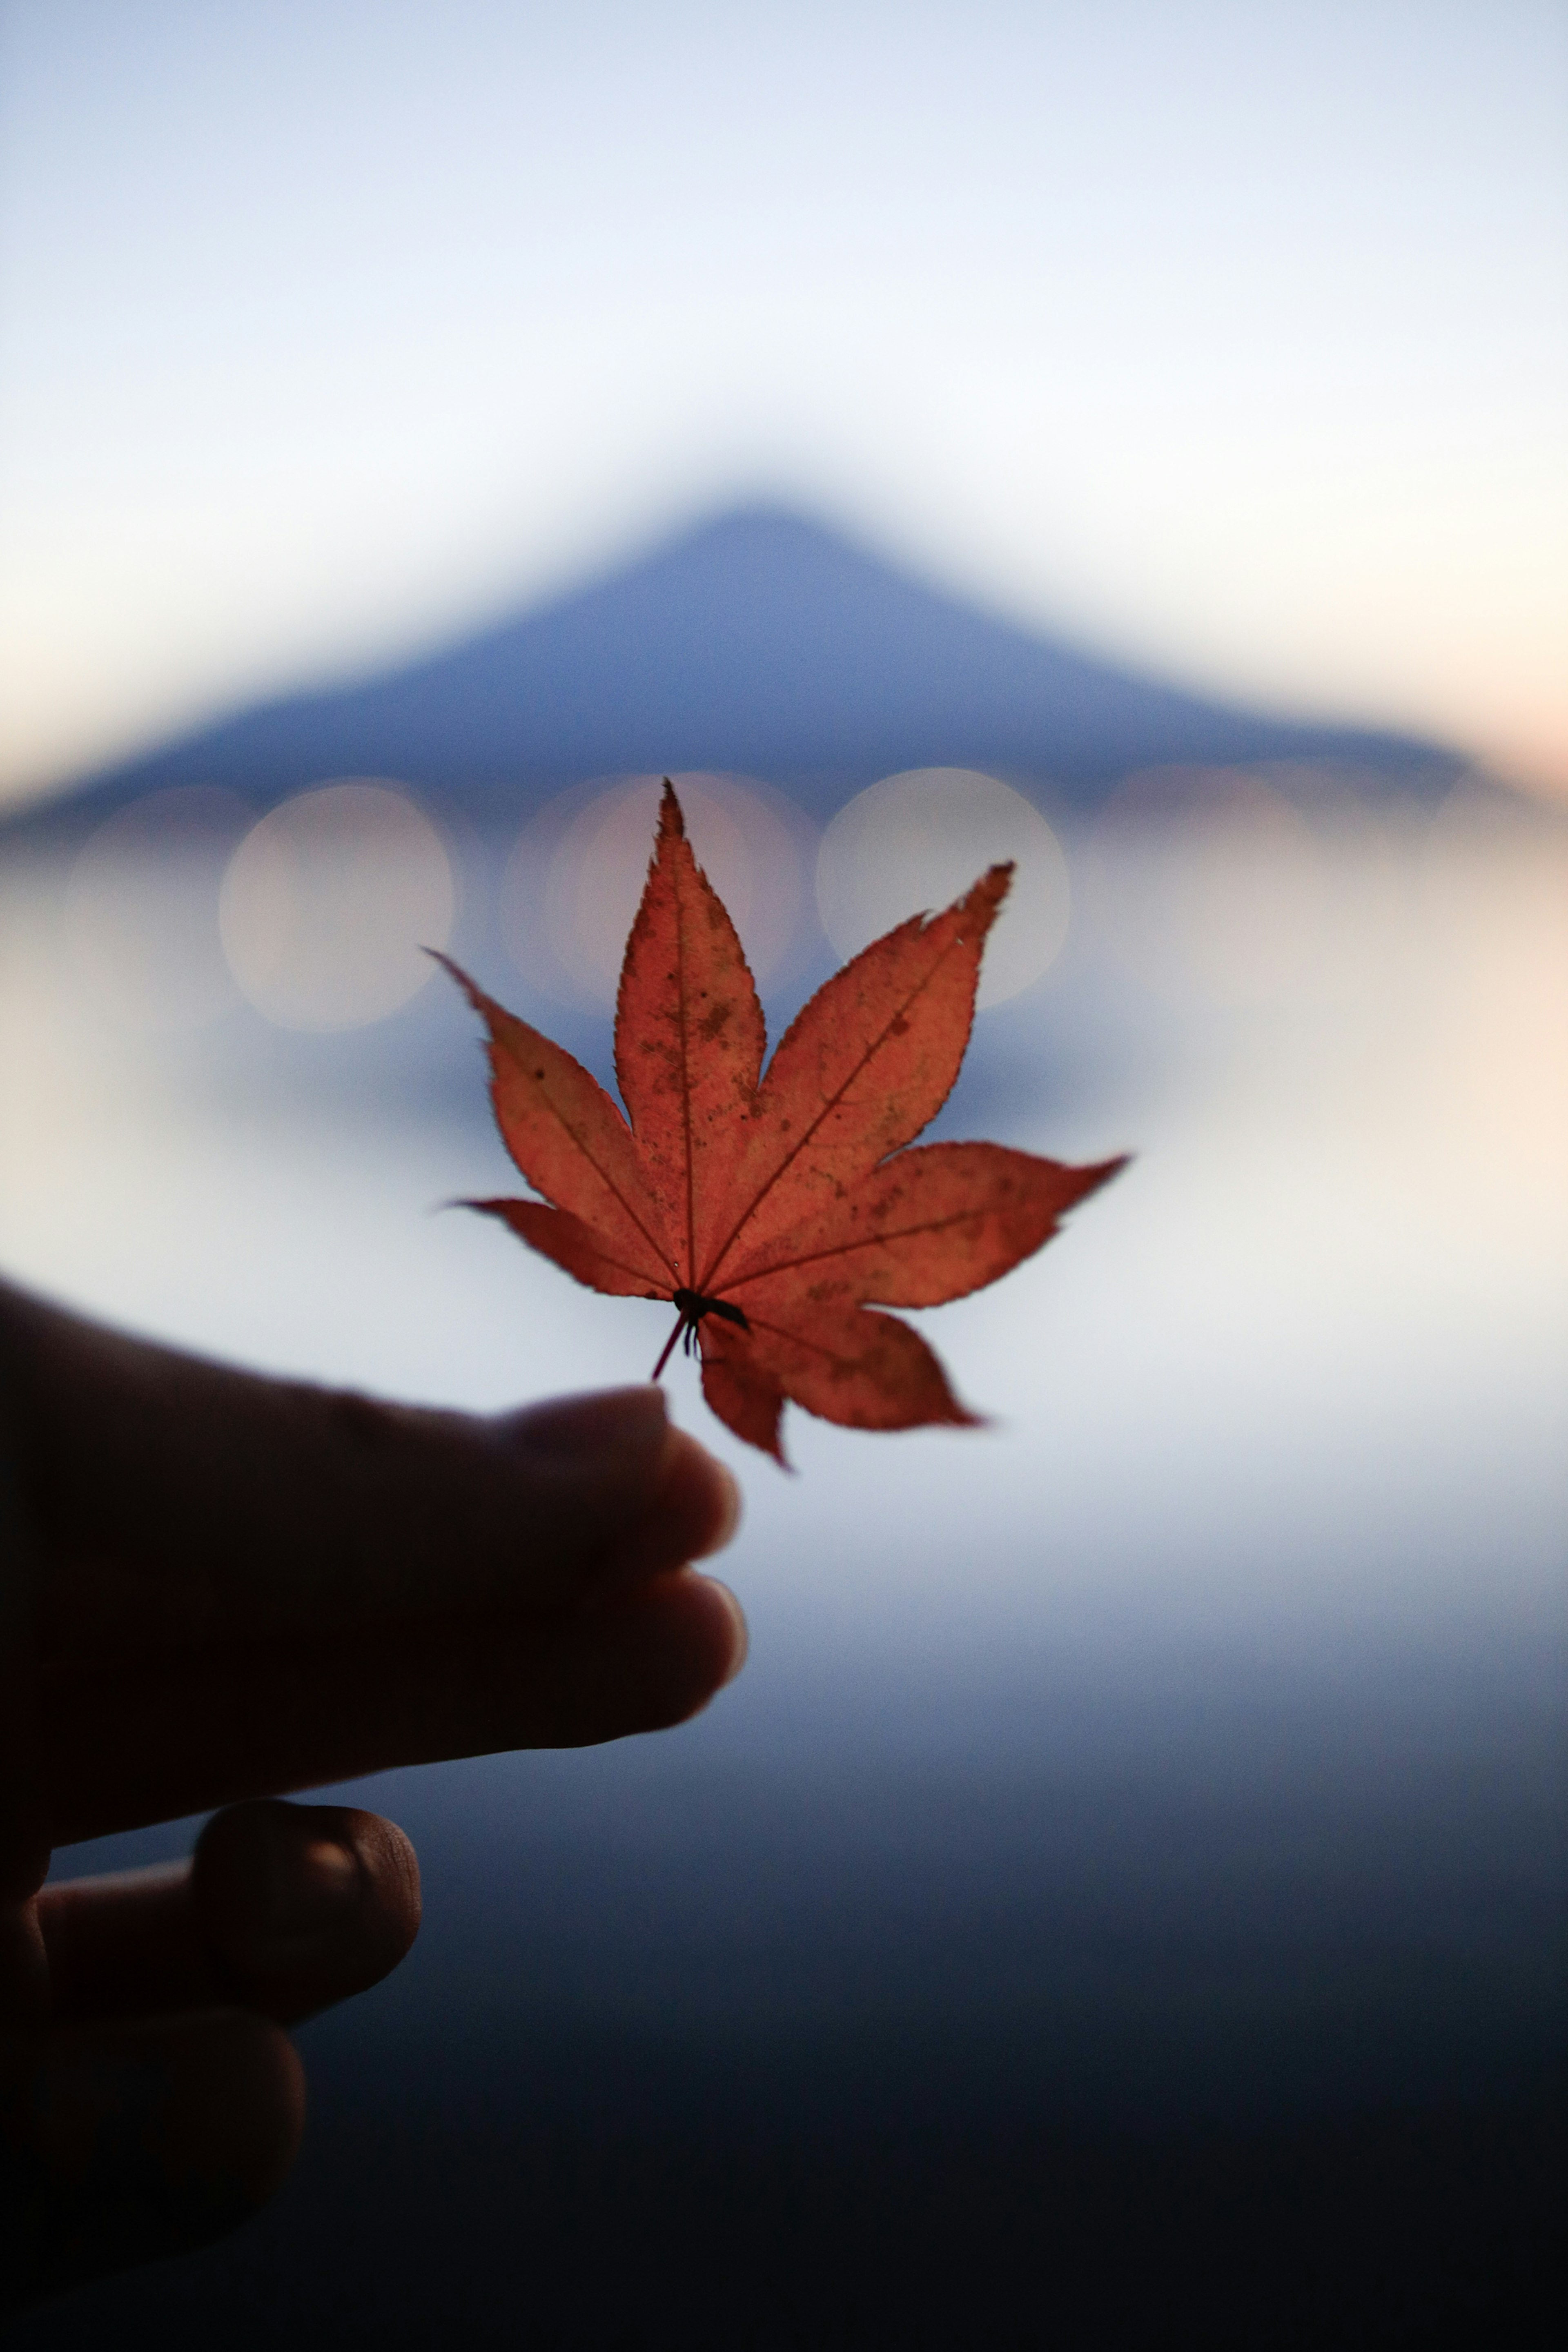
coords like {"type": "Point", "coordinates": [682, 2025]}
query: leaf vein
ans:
{"type": "Point", "coordinates": [608, 1180]}
{"type": "Point", "coordinates": [844, 1249]}
{"type": "Point", "coordinates": [710, 1279]}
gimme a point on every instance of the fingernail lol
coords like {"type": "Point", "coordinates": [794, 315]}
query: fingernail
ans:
{"type": "Point", "coordinates": [742, 1633]}
{"type": "Point", "coordinates": [588, 1428]}
{"type": "Point", "coordinates": [730, 1519]}
{"type": "Point", "coordinates": [312, 1887]}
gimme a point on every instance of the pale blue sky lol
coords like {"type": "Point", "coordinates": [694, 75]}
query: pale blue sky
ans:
{"type": "Point", "coordinates": [1228, 336]}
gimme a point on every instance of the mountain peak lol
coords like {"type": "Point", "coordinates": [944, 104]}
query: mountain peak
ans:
{"type": "Point", "coordinates": [755, 641]}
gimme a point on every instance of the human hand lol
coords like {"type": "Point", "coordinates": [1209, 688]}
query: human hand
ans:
{"type": "Point", "coordinates": [215, 1588]}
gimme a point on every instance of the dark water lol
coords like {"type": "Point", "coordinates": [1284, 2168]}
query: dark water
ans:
{"type": "Point", "coordinates": [1123, 1900]}
{"type": "Point", "coordinates": [1230, 2013]}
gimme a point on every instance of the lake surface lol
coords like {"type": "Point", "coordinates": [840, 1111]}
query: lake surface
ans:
{"type": "Point", "coordinates": [1129, 1876]}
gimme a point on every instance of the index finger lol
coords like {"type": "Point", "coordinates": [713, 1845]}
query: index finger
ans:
{"type": "Point", "coordinates": [246, 1585]}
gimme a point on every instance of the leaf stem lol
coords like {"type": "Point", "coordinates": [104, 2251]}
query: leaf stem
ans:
{"type": "Point", "coordinates": [669, 1348]}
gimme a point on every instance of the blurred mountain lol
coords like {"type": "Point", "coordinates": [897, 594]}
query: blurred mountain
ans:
{"type": "Point", "coordinates": [759, 642]}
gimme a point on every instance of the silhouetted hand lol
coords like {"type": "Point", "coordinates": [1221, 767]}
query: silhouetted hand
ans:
{"type": "Point", "coordinates": [215, 1587]}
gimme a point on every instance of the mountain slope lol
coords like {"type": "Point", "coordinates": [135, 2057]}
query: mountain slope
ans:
{"type": "Point", "coordinates": [757, 642]}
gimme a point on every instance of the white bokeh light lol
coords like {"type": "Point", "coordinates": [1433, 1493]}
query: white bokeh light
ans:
{"type": "Point", "coordinates": [1212, 877]}
{"type": "Point", "coordinates": [329, 902]}
{"type": "Point", "coordinates": [915, 842]}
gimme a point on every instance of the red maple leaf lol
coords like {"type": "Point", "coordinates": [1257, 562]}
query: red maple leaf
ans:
{"type": "Point", "coordinates": [775, 1213]}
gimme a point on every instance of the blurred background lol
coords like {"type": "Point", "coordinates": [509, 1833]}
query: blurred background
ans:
{"type": "Point", "coordinates": [1122, 1900]}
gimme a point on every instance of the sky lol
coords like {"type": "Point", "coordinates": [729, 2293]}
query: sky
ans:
{"type": "Point", "coordinates": [1228, 340]}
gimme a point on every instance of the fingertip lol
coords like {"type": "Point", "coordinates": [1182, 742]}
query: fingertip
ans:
{"type": "Point", "coordinates": [304, 1905]}
{"type": "Point", "coordinates": [740, 1632]}
{"type": "Point", "coordinates": [685, 1638]}
{"type": "Point", "coordinates": [714, 1624]}
{"type": "Point", "coordinates": [696, 1504]}
{"type": "Point", "coordinates": [714, 1491]}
